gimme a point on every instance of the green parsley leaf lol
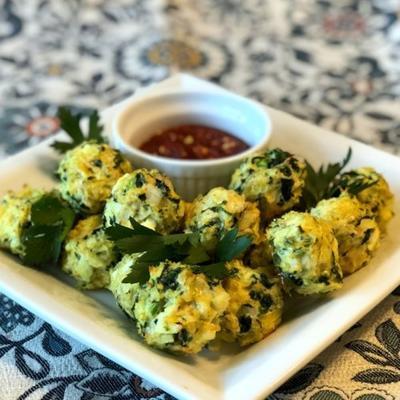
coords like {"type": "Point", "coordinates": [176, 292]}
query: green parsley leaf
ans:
{"type": "Point", "coordinates": [230, 246]}
{"type": "Point", "coordinates": [70, 123]}
{"type": "Point", "coordinates": [117, 232]}
{"type": "Point", "coordinates": [179, 247]}
{"type": "Point", "coordinates": [51, 220]}
{"type": "Point", "coordinates": [353, 188]}
{"type": "Point", "coordinates": [213, 271]}
{"type": "Point", "coordinates": [141, 229]}
{"type": "Point", "coordinates": [358, 187]}
{"type": "Point", "coordinates": [51, 211]}
{"type": "Point", "coordinates": [141, 239]}
{"type": "Point", "coordinates": [42, 244]}
{"type": "Point", "coordinates": [318, 183]}
{"type": "Point", "coordinates": [196, 255]}
{"type": "Point", "coordinates": [62, 147]}
{"type": "Point", "coordinates": [159, 254]}
{"type": "Point", "coordinates": [139, 243]}
{"type": "Point", "coordinates": [95, 128]}
{"type": "Point", "coordinates": [179, 238]}
{"type": "Point", "coordinates": [139, 273]}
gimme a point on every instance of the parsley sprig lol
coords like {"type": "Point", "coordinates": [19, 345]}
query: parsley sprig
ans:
{"type": "Point", "coordinates": [180, 247]}
{"type": "Point", "coordinates": [71, 124]}
{"type": "Point", "coordinates": [352, 187]}
{"type": "Point", "coordinates": [323, 183]}
{"type": "Point", "coordinates": [318, 182]}
{"type": "Point", "coordinates": [50, 222]}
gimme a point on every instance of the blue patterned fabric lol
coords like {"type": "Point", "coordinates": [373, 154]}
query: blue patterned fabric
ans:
{"type": "Point", "coordinates": [58, 367]}
{"type": "Point", "coordinates": [334, 63]}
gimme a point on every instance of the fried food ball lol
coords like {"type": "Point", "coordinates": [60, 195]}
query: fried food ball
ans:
{"type": "Point", "coordinates": [275, 179]}
{"type": "Point", "coordinates": [149, 197]}
{"type": "Point", "coordinates": [124, 293]}
{"type": "Point", "coordinates": [179, 310]}
{"type": "Point", "coordinates": [378, 196]}
{"type": "Point", "coordinates": [15, 215]}
{"type": "Point", "coordinates": [88, 254]}
{"type": "Point", "coordinates": [259, 255]}
{"type": "Point", "coordinates": [354, 227]}
{"type": "Point", "coordinates": [255, 305]}
{"type": "Point", "coordinates": [305, 251]}
{"type": "Point", "coordinates": [219, 211]}
{"type": "Point", "coordinates": [87, 173]}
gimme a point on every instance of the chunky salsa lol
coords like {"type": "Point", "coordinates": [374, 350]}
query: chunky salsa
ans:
{"type": "Point", "coordinates": [193, 142]}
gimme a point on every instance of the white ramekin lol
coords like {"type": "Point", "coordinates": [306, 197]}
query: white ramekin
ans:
{"type": "Point", "coordinates": [140, 118]}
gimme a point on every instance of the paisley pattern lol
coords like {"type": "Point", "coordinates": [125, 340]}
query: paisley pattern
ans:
{"type": "Point", "coordinates": [334, 63]}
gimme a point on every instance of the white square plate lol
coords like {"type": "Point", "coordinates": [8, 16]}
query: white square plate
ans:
{"type": "Point", "coordinates": [252, 373]}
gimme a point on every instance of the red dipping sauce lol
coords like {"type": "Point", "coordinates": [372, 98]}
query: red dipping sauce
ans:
{"type": "Point", "coordinates": [194, 142]}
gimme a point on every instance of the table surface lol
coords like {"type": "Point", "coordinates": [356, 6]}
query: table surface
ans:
{"type": "Point", "coordinates": [335, 63]}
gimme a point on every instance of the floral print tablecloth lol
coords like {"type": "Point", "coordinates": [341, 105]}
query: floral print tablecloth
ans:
{"type": "Point", "coordinates": [333, 62]}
